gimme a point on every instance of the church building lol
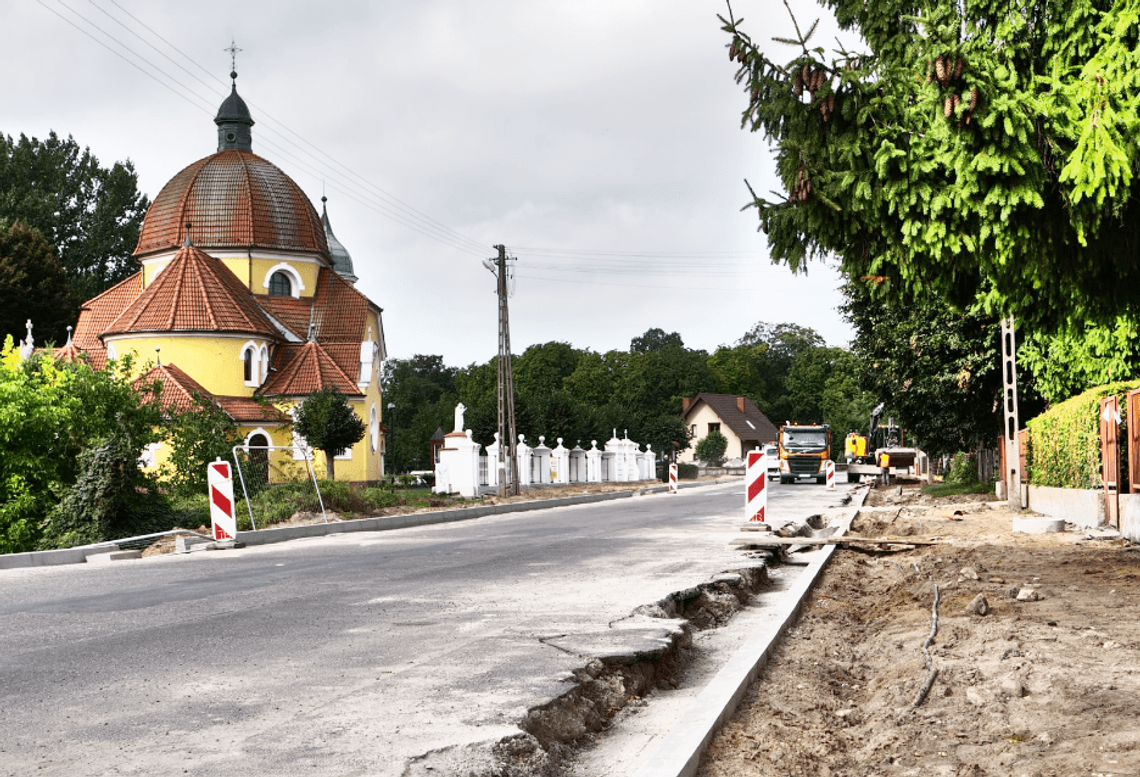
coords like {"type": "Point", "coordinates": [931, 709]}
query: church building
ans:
{"type": "Point", "coordinates": [245, 297]}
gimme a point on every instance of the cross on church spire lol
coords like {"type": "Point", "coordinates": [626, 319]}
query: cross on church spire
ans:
{"type": "Point", "coordinates": [233, 50]}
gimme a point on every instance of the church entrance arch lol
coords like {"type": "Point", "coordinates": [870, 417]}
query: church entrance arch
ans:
{"type": "Point", "coordinates": [258, 446]}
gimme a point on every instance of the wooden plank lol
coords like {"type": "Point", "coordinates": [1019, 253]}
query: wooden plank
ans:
{"type": "Point", "coordinates": [841, 540]}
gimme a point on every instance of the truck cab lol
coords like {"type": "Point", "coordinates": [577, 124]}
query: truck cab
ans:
{"type": "Point", "coordinates": [804, 451]}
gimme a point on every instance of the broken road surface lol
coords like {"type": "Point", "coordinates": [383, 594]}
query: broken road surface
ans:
{"type": "Point", "coordinates": [373, 653]}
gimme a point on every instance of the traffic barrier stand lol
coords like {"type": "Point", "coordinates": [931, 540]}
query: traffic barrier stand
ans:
{"type": "Point", "coordinates": [830, 467]}
{"type": "Point", "coordinates": [756, 499]}
{"type": "Point", "coordinates": [672, 478]}
{"type": "Point", "coordinates": [220, 480]}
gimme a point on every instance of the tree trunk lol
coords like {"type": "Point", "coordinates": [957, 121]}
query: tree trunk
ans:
{"type": "Point", "coordinates": [329, 465]}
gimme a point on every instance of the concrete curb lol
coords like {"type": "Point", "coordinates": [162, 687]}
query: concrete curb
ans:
{"type": "Point", "coordinates": [683, 747]}
{"type": "Point", "coordinates": [51, 558]}
{"type": "Point", "coordinates": [47, 558]}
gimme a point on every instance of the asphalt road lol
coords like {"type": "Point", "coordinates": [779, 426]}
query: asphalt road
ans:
{"type": "Point", "coordinates": [348, 654]}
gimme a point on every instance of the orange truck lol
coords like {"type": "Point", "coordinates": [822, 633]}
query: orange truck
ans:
{"type": "Point", "coordinates": [804, 451]}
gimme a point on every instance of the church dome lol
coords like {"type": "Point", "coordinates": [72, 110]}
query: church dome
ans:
{"type": "Point", "coordinates": [233, 199]}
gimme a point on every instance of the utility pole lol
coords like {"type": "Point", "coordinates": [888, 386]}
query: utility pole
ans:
{"type": "Point", "coordinates": [507, 441]}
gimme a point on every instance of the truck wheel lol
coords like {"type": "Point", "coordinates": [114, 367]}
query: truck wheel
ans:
{"type": "Point", "coordinates": [852, 477]}
{"type": "Point", "coordinates": [786, 480]}
{"type": "Point", "coordinates": [821, 480]}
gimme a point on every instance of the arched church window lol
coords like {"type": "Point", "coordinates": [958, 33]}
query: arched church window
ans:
{"type": "Point", "coordinates": [247, 361]}
{"type": "Point", "coordinates": [280, 285]}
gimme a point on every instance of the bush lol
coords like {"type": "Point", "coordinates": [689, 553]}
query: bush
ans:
{"type": "Point", "coordinates": [197, 437]}
{"type": "Point", "coordinates": [963, 470]}
{"type": "Point", "coordinates": [111, 499]}
{"type": "Point", "coordinates": [688, 471]}
{"type": "Point", "coordinates": [1064, 441]}
{"type": "Point", "coordinates": [711, 449]}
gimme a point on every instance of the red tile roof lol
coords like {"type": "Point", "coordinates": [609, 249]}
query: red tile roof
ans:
{"type": "Point", "coordinates": [248, 409]}
{"type": "Point", "coordinates": [178, 388]}
{"type": "Point", "coordinates": [294, 313]}
{"type": "Point", "coordinates": [340, 311]}
{"type": "Point", "coordinates": [69, 353]}
{"type": "Point", "coordinates": [232, 199]}
{"type": "Point", "coordinates": [98, 312]}
{"type": "Point", "coordinates": [308, 367]}
{"type": "Point", "coordinates": [194, 293]}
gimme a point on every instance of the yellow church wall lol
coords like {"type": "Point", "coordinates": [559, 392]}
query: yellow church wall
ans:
{"type": "Point", "coordinates": [212, 360]}
{"type": "Point", "coordinates": [260, 268]}
{"type": "Point", "coordinates": [364, 463]}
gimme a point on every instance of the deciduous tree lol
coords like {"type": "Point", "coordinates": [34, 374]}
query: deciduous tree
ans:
{"type": "Point", "coordinates": [33, 286]}
{"type": "Point", "coordinates": [328, 424]}
{"type": "Point", "coordinates": [92, 214]}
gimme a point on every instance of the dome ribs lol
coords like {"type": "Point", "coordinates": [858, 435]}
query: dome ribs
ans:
{"type": "Point", "coordinates": [234, 199]}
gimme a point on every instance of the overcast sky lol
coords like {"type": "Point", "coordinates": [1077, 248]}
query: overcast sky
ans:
{"type": "Point", "coordinates": [599, 141]}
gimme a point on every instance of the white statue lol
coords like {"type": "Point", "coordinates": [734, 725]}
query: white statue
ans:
{"type": "Point", "coordinates": [459, 410]}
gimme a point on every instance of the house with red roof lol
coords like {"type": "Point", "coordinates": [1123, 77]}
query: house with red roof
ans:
{"type": "Point", "coordinates": [244, 296]}
{"type": "Point", "coordinates": [737, 418]}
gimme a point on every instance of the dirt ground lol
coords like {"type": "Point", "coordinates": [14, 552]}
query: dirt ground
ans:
{"type": "Point", "coordinates": [1048, 684]}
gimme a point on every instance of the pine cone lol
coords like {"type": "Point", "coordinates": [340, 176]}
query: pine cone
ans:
{"type": "Point", "coordinates": [947, 107]}
{"type": "Point", "coordinates": [798, 85]}
{"type": "Point", "coordinates": [755, 92]}
{"type": "Point", "coordinates": [973, 99]}
{"type": "Point", "coordinates": [958, 65]}
{"type": "Point", "coordinates": [806, 73]}
{"type": "Point", "coordinates": [940, 69]}
{"type": "Point", "coordinates": [732, 51]}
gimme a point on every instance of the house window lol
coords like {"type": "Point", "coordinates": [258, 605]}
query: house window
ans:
{"type": "Point", "coordinates": [714, 428]}
{"type": "Point", "coordinates": [280, 285]}
{"type": "Point", "coordinates": [247, 363]}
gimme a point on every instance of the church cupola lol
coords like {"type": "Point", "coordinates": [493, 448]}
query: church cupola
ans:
{"type": "Point", "coordinates": [341, 260]}
{"type": "Point", "coordinates": [234, 121]}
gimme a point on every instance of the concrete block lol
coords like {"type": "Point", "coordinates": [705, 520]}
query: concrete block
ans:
{"type": "Point", "coordinates": [1038, 525]}
{"type": "Point", "coordinates": [1130, 517]}
{"type": "Point", "coordinates": [108, 556]}
{"type": "Point", "coordinates": [1081, 506]}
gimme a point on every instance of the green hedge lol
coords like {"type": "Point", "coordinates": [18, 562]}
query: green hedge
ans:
{"type": "Point", "coordinates": [687, 471]}
{"type": "Point", "coordinates": [1064, 441]}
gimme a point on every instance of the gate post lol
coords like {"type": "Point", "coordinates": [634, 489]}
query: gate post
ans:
{"type": "Point", "coordinates": [1110, 458]}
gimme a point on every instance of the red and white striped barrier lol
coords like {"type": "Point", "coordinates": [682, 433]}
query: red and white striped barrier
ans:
{"type": "Point", "coordinates": [830, 468]}
{"type": "Point", "coordinates": [756, 493]}
{"type": "Point", "coordinates": [219, 476]}
{"type": "Point", "coordinates": [673, 478]}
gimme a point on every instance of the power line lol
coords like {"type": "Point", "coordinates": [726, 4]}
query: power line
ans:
{"type": "Point", "coordinates": [344, 179]}
{"type": "Point", "coordinates": [386, 204]}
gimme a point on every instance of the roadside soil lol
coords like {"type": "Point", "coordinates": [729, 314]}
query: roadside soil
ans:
{"type": "Point", "coordinates": [1045, 685]}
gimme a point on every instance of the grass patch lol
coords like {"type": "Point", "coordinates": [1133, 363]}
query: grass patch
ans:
{"type": "Point", "coordinates": [950, 489]}
{"type": "Point", "coordinates": [275, 503]}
